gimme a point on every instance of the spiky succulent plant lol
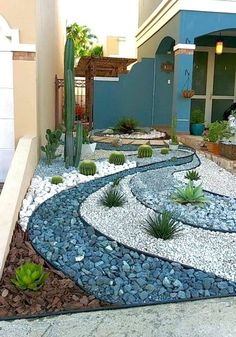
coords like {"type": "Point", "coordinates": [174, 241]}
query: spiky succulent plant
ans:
{"type": "Point", "coordinates": [56, 180]}
{"type": "Point", "coordinates": [112, 198]}
{"type": "Point", "coordinates": [190, 194]}
{"type": "Point", "coordinates": [145, 151]}
{"type": "Point", "coordinates": [192, 175]}
{"type": "Point", "coordinates": [117, 158]}
{"type": "Point", "coordinates": [29, 276]}
{"type": "Point", "coordinates": [163, 226]}
{"type": "Point", "coordinates": [87, 168]}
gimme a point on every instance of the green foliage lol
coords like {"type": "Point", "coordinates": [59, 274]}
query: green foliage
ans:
{"type": "Point", "coordinates": [112, 198]}
{"type": "Point", "coordinates": [53, 141]}
{"type": "Point", "coordinates": [173, 159]}
{"type": "Point", "coordinates": [116, 182]}
{"type": "Point", "coordinates": [165, 151]}
{"type": "Point", "coordinates": [192, 175]}
{"type": "Point", "coordinates": [117, 158]}
{"type": "Point", "coordinates": [126, 125]}
{"type": "Point", "coordinates": [190, 194]}
{"type": "Point", "coordinates": [86, 137]}
{"type": "Point", "coordinates": [163, 226]}
{"type": "Point", "coordinates": [84, 41]}
{"type": "Point", "coordinates": [197, 116]}
{"type": "Point", "coordinates": [173, 137]}
{"type": "Point", "coordinates": [87, 168]}
{"type": "Point", "coordinates": [57, 180]}
{"type": "Point", "coordinates": [218, 130]}
{"type": "Point", "coordinates": [72, 151]}
{"type": "Point", "coordinates": [145, 151]}
{"type": "Point", "coordinates": [30, 276]}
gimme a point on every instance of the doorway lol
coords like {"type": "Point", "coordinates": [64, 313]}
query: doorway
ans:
{"type": "Point", "coordinates": [214, 82]}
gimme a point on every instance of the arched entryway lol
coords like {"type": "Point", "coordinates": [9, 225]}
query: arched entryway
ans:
{"type": "Point", "coordinates": [7, 139]}
{"type": "Point", "coordinates": [163, 82]}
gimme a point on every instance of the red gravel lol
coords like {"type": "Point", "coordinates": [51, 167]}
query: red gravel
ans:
{"type": "Point", "coordinates": [59, 292]}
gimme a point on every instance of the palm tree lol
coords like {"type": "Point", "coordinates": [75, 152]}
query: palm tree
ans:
{"type": "Point", "coordinates": [85, 43]}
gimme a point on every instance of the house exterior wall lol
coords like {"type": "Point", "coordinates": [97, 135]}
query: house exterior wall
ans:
{"type": "Point", "coordinates": [50, 28]}
{"type": "Point", "coordinates": [146, 8]}
{"type": "Point", "coordinates": [21, 15]}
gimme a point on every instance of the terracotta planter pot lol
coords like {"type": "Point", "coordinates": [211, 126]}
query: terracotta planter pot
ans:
{"type": "Point", "coordinates": [213, 148]}
{"type": "Point", "coordinates": [188, 93]}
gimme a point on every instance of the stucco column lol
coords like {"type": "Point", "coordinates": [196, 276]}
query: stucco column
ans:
{"type": "Point", "coordinates": [182, 78]}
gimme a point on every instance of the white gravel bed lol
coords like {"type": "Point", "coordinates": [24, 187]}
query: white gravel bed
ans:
{"type": "Point", "coordinates": [153, 134]}
{"type": "Point", "coordinates": [41, 188]}
{"type": "Point", "coordinates": [209, 251]}
{"type": "Point", "coordinates": [213, 178]}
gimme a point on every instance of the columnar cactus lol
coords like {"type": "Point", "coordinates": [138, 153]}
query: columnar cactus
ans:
{"type": "Point", "coordinates": [72, 146]}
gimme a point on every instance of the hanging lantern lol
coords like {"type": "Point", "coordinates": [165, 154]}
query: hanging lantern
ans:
{"type": "Point", "coordinates": [219, 47]}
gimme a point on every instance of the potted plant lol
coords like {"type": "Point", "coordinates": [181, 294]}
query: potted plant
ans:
{"type": "Point", "coordinates": [228, 147]}
{"type": "Point", "coordinates": [218, 130]}
{"type": "Point", "coordinates": [87, 147]}
{"type": "Point", "coordinates": [188, 93]}
{"type": "Point", "coordinates": [173, 143]}
{"type": "Point", "coordinates": [197, 122]}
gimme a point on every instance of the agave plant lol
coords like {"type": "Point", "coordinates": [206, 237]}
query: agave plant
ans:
{"type": "Point", "coordinates": [192, 175]}
{"type": "Point", "coordinates": [190, 194]}
{"type": "Point", "coordinates": [163, 226]}
{"type": "Point", "coordinates": [30, 276]}
{"type": "Point", "coordinates": [112, 198]}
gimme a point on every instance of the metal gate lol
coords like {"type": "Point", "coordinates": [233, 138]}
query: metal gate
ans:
{"type": "Point", "coordinates": [80, 101]}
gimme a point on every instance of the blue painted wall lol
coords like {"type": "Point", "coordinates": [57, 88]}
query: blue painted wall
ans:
{"type": "Point", "coordinates": [194, 24]}
{"type": "Point", "coordinates": [131, 96]}
{"type": "Point", "coordinates": [163, 91]}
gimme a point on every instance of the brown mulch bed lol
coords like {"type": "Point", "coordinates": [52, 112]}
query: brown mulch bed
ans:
{"type": "Point", "coordinates": [58, 294]}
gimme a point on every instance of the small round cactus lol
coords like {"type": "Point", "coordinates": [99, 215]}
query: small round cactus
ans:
{"type": "Point", "coordinates": [145, 151]}
{"type": "Point", "coordinates": [164, 150]}
{"type": "Point", "coordinates": [87, 168]}
{"type": "Point", "coordinates": [117, 158]}
{"type": "Point", "coordinates": [56, 180]}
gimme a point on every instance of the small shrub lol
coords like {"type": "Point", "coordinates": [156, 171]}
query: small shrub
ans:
{"type": "Point", "coordinates": [190, 194]}
{"type": "Point", "coordinates": [192, 175]}
{"type": "Point", "coordinates": [164, 151]}
{"type": "Point", "coordinates": [53, 141]}
{"type": "Point", "coordinates": [30, 276]}
{"type": "Point", "coordinates": [126, 125]}
{"type": "Point", "coordinates": [87, 168]}
{"type": "Point", "coordinates": [112, 198]}
{"type": "Point", "coordinates": [56, 180]}
{"type": "Point", "coordinates": [145, 151]}
{"type": "Point", "coordinates": [117, 158]}
{"type": "Point", "coordinates": [116, 182]}
{"type": "Point", "coordinates": [163, 226]}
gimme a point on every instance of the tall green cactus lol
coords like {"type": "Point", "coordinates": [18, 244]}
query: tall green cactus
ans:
{"type": "Point", "coordinates": [72, 150]}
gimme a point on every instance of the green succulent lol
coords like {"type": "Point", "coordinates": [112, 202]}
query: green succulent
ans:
{"type": "Point", "coordinates": [56, 180]}
{"type": "Point", "coordinates": [112, 198]}
{"type": "Point", "coordinates": [190, 194]}
{"type": "Point", "coordinates": [87, 168]}
{"type": "Point", "coordinates": [192, 175]}
{"type": "Point", "coordinates": [116, 182]}
{"type": "Point", "coordinates": [53, 141]}
{"type": "Point", "coordinates": [163, 226]}
{"type": "Point", "coordinates": [164, 150]}
{"type": "Point", "coordinates": [117, 158]}
{"type": "Point", "coordinates": [145, 151]}
{"type": "Point", "coordinates": [126, 125]}
{"type": "Point", "coordinates": [30, 276]}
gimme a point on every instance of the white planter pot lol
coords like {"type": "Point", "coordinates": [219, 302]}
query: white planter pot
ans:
{"type": "Point", "coordinates": [88, 149]}
{"type": "Point", "coordinates": [173, 147]}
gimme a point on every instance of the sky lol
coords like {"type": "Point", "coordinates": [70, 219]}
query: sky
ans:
{"type": "Point", "coordinates": [104, 17]}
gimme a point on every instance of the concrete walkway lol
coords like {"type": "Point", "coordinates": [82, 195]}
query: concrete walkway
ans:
{"type": "Point", "coordinates": [208, 318]}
